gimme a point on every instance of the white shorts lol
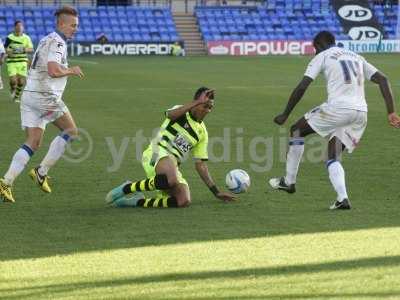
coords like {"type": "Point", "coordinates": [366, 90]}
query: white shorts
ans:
{"type": "Point", "coordinates": [347, 125]}
{"type": "Point", "coordinates": [33, 114]}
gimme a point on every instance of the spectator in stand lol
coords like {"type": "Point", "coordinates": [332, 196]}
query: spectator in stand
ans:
{"type": "Point", "coordinates": [102, 38]}
{"type": "Point", "coordinates": [177, 49]}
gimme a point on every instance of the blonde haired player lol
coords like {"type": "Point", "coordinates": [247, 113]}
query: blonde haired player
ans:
{"type": "Point", "coordinates": [42, 103]}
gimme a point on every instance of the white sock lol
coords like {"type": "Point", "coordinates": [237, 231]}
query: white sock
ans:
{"type": "Point", "coordinates": [293, 158]}
{"type": "Point", "coordinates": [18, 163]}
{"type": "Point", "coordinates": [56, 150]}
{"type": "Point", "coordinates": [337, 177]}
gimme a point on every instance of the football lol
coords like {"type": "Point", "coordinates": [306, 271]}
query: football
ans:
{"type": "Point", "coordinates": [237, 181]}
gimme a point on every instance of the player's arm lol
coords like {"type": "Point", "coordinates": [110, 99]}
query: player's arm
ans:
{"type": "Point", "coordinates": [202, 169]}
{"type": "Point", "coordinates": [176, 113]}
{"type": "Point", "coordinates": [386, 91]}
{"type": "Point", "coordinates": [55, 70]}
{"type": "Point", "coordinates": [294, 98]}
{"type": "Point", "coordinates": [28, 49]}
{"type": "Point", "coordinates": [9, 50]}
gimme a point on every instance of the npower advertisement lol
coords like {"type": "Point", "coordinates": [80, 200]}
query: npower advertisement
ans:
{"type": "Point", "coordinates": [260, 48]}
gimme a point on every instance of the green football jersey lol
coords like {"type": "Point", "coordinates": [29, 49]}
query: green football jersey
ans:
{"type": "Point", "coordinates": [18, 44]}
{"type": "Point", "coordinates": [182, 136]}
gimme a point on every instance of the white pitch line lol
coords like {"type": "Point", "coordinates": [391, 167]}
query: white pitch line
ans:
{"type": "Point", "coordinates": [89, 62]}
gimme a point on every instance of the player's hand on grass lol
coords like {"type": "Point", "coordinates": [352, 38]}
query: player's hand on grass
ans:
{"type": "Point", "coordinates": [76, 70]}
{"type": "Point", "coordinates": [280, 119]}
{"type": "Point", "coordinates": [226, 197]}
{"type": "Point", "coordinates": [394, 120]}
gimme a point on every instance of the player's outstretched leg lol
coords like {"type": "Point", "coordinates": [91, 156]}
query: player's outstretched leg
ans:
{"type": "Point", "coordinates": [117, 193]}
{"type": "Point", "coordinates": [18, 163]}
{"type": "Point", "coordinates": [158, 182]}
{"type": "Point", "coordinates": [337, 174]}
{"type": "Point", "coordinates": [20, 160]}
{"type": "Point", "coordinates": [56, 150]}
{"type": "Point", "coordinates": [179, 196]}
{"type": "Point", "coordinates": [174, 192]}
{"type": "Point", "coordinates": [295, 152]}
{"type": "Point", "coordinates": [138, 199]}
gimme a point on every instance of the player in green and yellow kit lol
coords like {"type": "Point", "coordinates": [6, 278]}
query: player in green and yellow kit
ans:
{"type": "Point", "coordinates": [183, 131]}
{"type": "Point", "coordinates": [18, 45]}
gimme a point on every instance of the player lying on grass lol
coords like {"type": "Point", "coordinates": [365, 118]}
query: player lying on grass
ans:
{"type": "Point", "coordinates": [342, 118]}
{"type": "Point", "coordinates": [183, 131]}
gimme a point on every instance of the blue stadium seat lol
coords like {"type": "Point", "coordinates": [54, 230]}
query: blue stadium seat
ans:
{"type": "Point", "coordinates": [276, 19]}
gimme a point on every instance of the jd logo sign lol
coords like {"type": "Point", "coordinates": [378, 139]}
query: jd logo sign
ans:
{"type": "Point", "coordinates": [358, 19]}
{"type": "Point", "coordinates": [364, 33]}
{"type": "Point", "coordinates": [355, 13]}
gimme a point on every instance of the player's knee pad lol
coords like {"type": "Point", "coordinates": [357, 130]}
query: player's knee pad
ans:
{"type": "Point", "coordinates": [161, 182]}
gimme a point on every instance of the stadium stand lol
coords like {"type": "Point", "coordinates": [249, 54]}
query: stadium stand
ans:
{"type": "Point", "coordinates": [273, 20]}
{"type": "Point", "coordinates": [387, 16]}
{"type": "Point", "coordinates": [118, 23]}
{"type": "Point", "coordinates": [280, 20]}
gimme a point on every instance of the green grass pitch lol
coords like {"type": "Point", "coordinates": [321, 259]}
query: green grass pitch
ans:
{"type": "Point", "coordinates": [267, 245]}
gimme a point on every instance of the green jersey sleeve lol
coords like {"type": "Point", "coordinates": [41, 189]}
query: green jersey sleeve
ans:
{"type": "Point", "coordinates": [200, 151]}
{"type": "Point", "coordinates": [28, 42]}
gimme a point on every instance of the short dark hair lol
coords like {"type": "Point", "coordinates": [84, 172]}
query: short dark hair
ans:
{"type": "Point", "coordinates": [17, 22]}
{"type": "Point", "coordinates": [324, 37]}
{"type": "Point", "coordinates": [66, 10]}
{"type": "Point", "coordinates": [201, 91]}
